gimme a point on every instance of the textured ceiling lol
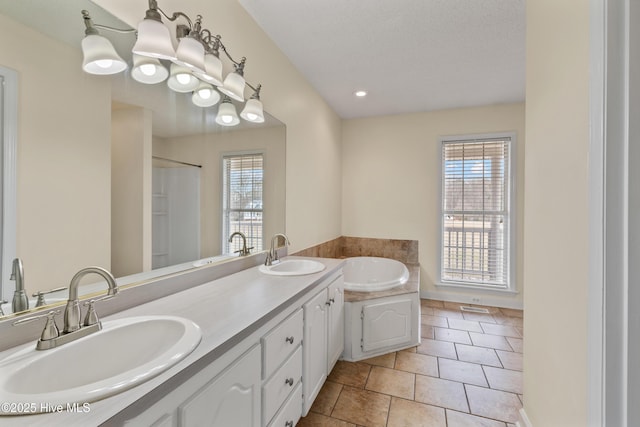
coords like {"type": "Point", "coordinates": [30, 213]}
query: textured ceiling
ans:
{"type": "Point", "coordinates": [410, 55]}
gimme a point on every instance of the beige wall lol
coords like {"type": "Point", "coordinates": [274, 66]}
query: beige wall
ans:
{"type": "Point", "coordinates": [63, 134]}
{"type": "Point", "coordinates": [556, 213]}
{"type": "Point", "coordinates": [314, 165]}
{"type": "Point", "coordinates": [207, 151]}
{"type": "Point", "coordinates": [391, 181]}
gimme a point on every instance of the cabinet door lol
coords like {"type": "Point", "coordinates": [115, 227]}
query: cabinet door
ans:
{"type": "Point", "coordinates": [386, 324]}
{"type": "Point", "coordinates": [230, 399]}
{"type": "Point", "coordinates": [314, 348]}
{"type": "Point", "coordinates": [336, 322]}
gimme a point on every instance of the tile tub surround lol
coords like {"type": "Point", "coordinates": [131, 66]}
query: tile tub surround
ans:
{"type": "Point", "coordinates": [405, 251]}
{"type": "Point", "coordinates": [451, 380]}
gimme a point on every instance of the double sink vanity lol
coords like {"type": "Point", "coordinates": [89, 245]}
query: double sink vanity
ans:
{"type": "Point", "coordinates": [241, 344]}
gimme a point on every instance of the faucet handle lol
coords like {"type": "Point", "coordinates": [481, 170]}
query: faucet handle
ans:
{"type": "Point", "coordinates": [40, 295]}
{"type": "Point", "coordinates": [50, 330]}
{"type": "Point", "coordinates": [91, 318]}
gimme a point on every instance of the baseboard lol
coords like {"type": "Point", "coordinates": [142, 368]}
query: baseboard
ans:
{"type": "Point", "coordinates": [465, 298]}
{"type": "Point", "coordinates": [523, 420]}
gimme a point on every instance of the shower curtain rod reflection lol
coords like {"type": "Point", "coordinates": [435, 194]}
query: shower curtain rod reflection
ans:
{"type": "Point", "coordinates": [176, 161]}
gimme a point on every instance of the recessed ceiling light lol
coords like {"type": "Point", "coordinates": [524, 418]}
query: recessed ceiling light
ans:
{"type": "Point", "coordinates": [360, 93]}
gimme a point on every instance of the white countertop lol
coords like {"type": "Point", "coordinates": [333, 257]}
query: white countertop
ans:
{"type": "Point", "coordinates": [227, 310]}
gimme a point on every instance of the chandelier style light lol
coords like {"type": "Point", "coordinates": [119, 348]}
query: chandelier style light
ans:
{"type": "Point", "coordinates": [194, 67]}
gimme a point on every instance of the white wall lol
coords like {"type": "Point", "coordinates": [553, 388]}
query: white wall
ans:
{"type": "Point", "coordinates": [64, 223]}
{"type": "Point", "coordinates": [314, 164]}
{"type": "Point", "coordinates": [556, 213]}
{"type": "Point", "coordinates": [391, 182]}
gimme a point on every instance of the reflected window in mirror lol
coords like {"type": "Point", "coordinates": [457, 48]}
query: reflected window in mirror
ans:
{"type": "Point", "coordinates": [242, 200]}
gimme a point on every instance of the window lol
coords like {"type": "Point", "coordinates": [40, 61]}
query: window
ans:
{"type": "Point", "coordinates": [242, 200]}
{"type": "Point", "coordinates": [476, 233]}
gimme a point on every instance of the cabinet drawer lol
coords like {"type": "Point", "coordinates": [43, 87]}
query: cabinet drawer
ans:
{"type": "Point", "coordinates": [278, 344]}
{"type": "Point", "coordinates": [276, 390]}
{"type": "Point", "coordinates": [291, 412]}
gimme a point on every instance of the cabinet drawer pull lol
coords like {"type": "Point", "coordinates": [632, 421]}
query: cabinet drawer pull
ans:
{"type": "Point", "coordinates": [288, 424]}
{"type": "Point", "coordinates": [289, 381]}
{"type": "Point", "coordinates": [289, 339]}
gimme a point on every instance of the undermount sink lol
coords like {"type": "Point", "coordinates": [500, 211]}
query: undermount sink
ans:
{"type": "Point", "coordinates": [293, 267]}
{"type": "Point", "coordinates": [125, 353]}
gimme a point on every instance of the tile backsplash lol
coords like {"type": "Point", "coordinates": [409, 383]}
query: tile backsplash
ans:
{"type": "Point", "coordinates": [405, 251]}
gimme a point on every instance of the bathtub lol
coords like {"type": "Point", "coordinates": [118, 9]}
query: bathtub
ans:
{"type": "Point", "coordinates": [370, 274]}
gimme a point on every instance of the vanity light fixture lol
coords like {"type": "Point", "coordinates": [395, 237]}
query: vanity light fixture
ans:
{"type": "Point", "coordinates": [195, 66]}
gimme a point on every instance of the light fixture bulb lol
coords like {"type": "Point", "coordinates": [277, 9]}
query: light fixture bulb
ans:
{"type": "Point", "coordinates": [104, 63]}
{"type": "Point", "coordinates": [205, 95]}
{"type": "Point", "coordinates": [181, 79]}
{"type": "Point", "coordinates": [227, 118]}
{"type": "Point", "coordinates": [227, 115]}
{"type": "Point", "coordinates": [253, 111]}
{"type": "Point", "coordinates": [100, 57]}
{"type": "Point", "coordinates": [360, 93]}
{"type": "Point", "coordinates": [148, 70]}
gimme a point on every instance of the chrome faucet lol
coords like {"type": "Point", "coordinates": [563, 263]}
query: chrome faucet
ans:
{"type": "Point", "coordinates": [51, 337]}
{"type": "Point", "coordinates": [72, 310]}
{"type": "Point", "coordinates": [244, 251]}
{"type": "Point", "coordinates": [272, 255]}
{"type": "Point", "coordinates": [20, 301]}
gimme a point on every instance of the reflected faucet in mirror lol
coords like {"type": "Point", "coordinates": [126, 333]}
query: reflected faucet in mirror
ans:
{"type": "Point", "coordinates": [272, 255]}
{"type": "Point", "coordinates": [20, 300]}
{"type": "Point", "coordinates": [244, 250]}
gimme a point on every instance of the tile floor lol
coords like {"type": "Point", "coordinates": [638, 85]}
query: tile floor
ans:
{"type": "Point", "coordinates": [467, 372]}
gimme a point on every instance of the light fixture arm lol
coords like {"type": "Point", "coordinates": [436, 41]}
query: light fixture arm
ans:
{"type": "Point", "coordinates": [90, 26]}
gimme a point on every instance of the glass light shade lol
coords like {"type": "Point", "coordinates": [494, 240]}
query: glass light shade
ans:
{"type": "Point", "coordinates": [190, 53]}
{"type": "Point", "coordinates": [253, 111]}
{"type": "Point", "coordinates": [205, 95]}
{"type": "Point", "coordinates": [154, 40]}
{"type": "Point", "coordinates": [181, 79]}
{"type": "Point", "coordinates": [227, 115]}
{"type": "Point", "coordinates": [212, 70]}
{"type": "Point", "coordinates": [233, 86]}
{"type": "Point", "coordinates": [100, 57]}
{"type": "Point", "coordinates": [148, 70]}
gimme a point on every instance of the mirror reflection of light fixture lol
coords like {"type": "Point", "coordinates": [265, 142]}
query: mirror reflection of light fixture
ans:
{"type": "Point", "coordinates": [195, 65]}
{"type": "Point", "coordinates": [205, 95]}
{"type": "Point", "coordinates": [99, 55]}
{"type": "Point", "coordinates": [253, 111]}
{"type": "Point", "coordinates": [227, 115]}
{"type": "Point", "coordinates": [181, 79]}
{"type": "Point", "coordinates": [148, 70]}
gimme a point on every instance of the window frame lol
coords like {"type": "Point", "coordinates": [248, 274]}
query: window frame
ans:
{"type": "Point", "coordinates": [223, 156]}
{"type": "Point", "coordinates": [511, 275]}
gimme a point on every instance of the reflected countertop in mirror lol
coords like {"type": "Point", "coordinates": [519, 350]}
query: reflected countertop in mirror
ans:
{"type": "Point", "coordinates": [83, 201]}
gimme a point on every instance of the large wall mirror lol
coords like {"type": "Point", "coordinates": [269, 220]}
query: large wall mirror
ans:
{"type": "Point", "coordinates": [114, 173]}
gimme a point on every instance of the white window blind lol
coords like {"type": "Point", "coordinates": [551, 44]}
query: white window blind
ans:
{"type": "Point", "coordinates": [476, 212]}
{"type": "Point", "coordinates": [242, 200]}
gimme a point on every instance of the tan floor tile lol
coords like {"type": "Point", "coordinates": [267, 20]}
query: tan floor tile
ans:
{"type": "Point", "coordinates": [434, 321]}
{"type": "Point", "coordinates": [426, 310]}
{"type": "Point", "coordinates": [504, 330]}
{"type": "Point", "coordinates": [455, 306]}
{"type": "Point", "coordinates": [516, 344]}
{"type": "Point", "coordinates": [437, 348]}
{"type": "Point", "coordinates": [431, 303]}
{"type": "Point", "coordinates": [349, 373]}
{"type": "Point", "coordinates": [478, 317]}
{"type": "Point", "coordinates": [405, 413]}
{"type": "Point", "coordinates": [439, 392]}
{"type": "Point", "coordinates": [427, 331]}
{"type": "Point", "coordinates": [362, 407]}
{"type": "Point", "coordinates": [510, 360]}
{"type": "Point", "coordinates": [327, 398]}
{"type": "Point", "coordinates": [465, 325]}
{"type": "Point", "coordinates": [452, 335]}
{"type": "Point", "coordinates": [417, 363]}
{"type": "Point", "coordinates": [409, 350]}
{"type": "Point", "coordinates": [512, 312]}
{"type": "Point", "coordinates": [386, 360]}
{"type": "Point", "coordinates": [490, 341]}
{"type": "Point", "coordinates": [391, 381]}
{"type": "Point", "coordinates": [314, 419]}
{"type": "Point", "coordinates": [464, 372]}
{"type": "Point", "coordinates": [504, 379]}
{"type": "Point", "coordinates": [520, 330]}
{"type": "Point", "coordinates": [511, 321]}
{"type": "Point", "coordinates": [451, 314]}
{"type": "Point", "coordinates": [460, 419]}
{"type": "Point", "coordinates": [481, 355]}
{"type": "Point", "coordinates": [494, 404]}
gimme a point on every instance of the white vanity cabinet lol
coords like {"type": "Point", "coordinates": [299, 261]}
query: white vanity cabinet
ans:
{"type": "Point", "coordinates": [323, 337]}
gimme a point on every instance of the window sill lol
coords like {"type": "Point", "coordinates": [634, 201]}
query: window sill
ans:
{"type": "Point", "coordinates": [481, 288]}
